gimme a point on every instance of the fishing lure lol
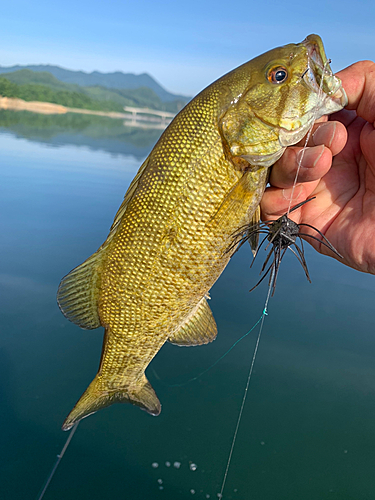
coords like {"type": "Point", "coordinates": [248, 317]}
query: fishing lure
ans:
{"type": "Point", "coordinates": [282, 234]}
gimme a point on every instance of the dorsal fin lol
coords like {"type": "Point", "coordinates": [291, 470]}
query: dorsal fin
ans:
{"type": "Point", "coordinates": [128, 195]}
{"type": "Point", "coordinates": [198, 328]}
{"type": "Point", "coordinates": [78, 292]}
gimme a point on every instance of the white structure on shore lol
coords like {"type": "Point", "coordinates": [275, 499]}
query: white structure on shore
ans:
{"type": "Point", "coordinates": [158, 119]}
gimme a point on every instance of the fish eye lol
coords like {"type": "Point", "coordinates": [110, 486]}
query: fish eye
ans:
{"type": "Point", "coordinates": [277, 75]}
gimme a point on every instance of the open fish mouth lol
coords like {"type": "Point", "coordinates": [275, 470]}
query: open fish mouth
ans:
{"type": "Point", "coordinates": [333, 96]}
{"type": "Point", "coordinates": [326, 93]}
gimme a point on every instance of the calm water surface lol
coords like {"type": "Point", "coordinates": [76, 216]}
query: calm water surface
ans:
{"type": "Point", "coordinates": [308, 428]}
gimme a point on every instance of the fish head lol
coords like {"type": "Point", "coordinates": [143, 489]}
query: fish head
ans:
{"type": "Point", "coordinates": [282, 93]}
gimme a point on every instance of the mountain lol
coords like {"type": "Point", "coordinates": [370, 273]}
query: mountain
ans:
{"type": "Point", "coordinates": [72, 97]}
{"type": "Point", "coordinates": [26, 76]}
{"type": "Point", "coordinates": [33, 85]}
{"type": "Point", "coordinates": [116, 80]}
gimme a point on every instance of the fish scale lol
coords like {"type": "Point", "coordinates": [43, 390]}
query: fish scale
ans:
{"type": "Point", "coordinates": [203, 180]}
{"type": "Point", "coordinates": [163, 283]}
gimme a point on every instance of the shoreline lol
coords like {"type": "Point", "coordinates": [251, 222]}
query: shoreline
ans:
{"type": "Point", "coordinates": [49, 108]}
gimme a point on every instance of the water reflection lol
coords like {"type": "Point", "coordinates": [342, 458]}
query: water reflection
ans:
{"type": "Point", "coordinates": [94, 132]}
{"type": "Point", "coordinates": [307, 429]}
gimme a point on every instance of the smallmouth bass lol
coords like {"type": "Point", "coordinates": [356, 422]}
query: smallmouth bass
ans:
{"type": "Point", "coordinates": [148, 282]}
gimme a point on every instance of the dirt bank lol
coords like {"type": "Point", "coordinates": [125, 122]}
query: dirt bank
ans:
{"type": "Point", "coordinates": [48, 108]}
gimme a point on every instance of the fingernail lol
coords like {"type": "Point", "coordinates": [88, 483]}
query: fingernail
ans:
{"type": "Point", "coordinates": [324, 134]}
{"type": "Point", "coordinates": [309, 157]}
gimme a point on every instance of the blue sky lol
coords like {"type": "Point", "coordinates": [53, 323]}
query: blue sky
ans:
{"type": "Point", "coordinates": [184, 45]}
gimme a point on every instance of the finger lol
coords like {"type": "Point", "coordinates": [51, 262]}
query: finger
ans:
{"type": "Point", "coordinates": [368, 143]}
{"type": "Point", "coordinates": [276, 201]}
{"type": "Point", "coordinates": [315, 162]}
{"type": "Point", "coordinates": [330, 133]}
{"type": "Point", "coordinates": [345, 116]}
{"type": "Point", "coordinates": [316, 125]}
{"type": "Point", "coordinates": [358, 81]}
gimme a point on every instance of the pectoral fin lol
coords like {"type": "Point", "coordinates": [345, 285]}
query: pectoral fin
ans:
{"type": "Point", "coordinates": [244, 197]}
{"type": "Point", "coordinates": [254, 238]}
{"type": "Point", "coordinates": [198, 328]}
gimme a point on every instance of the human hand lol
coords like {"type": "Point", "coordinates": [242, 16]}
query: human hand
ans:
{"type": "Point", "coordinates": [339, 170]}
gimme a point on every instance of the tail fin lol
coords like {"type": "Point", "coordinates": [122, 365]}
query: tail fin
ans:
{"type": "Point", "coordinates": [95, 398]}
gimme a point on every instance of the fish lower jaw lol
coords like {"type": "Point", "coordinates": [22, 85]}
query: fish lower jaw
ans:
{"type": "Point", "coordinates": [291, 137]}
{"type": "Point", "coordinates": [264, 160]}
{"type": "Point", "coordinates": [336, 101]}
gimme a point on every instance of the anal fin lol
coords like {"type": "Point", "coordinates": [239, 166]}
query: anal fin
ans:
{"type": "Point", "coordinates": [198, 328]}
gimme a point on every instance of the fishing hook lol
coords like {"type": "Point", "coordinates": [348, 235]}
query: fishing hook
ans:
{"type": "Point", "coordinates": [282, 234]}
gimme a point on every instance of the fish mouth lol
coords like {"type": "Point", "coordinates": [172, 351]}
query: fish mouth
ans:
{"type": "Point", "coordinates": [326, 93]}
{"type": "Point", "coordinates": [320, 78]}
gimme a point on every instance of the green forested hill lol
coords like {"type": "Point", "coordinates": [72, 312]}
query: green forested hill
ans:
{"type": "Point", "coordinates": [43, 86]}
{"type": "Point", "coordinates": [114, 80]}
{"type": "Point", "coordinates": [26, 76]}
{"type": "Point", "coordinates": [36, 92]}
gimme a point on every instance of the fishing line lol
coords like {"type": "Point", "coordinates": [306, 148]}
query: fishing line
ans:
{"type": "Point", "coordinates": [315, 114]}
{"type": "Point", "coordinates": [260, 321]}
{"type": "Point", "coordinates": [320, 93]}
{"type": "Point", "coordinates": [264, 314]}
{"type": "Point", "coordinates": [58, 460]}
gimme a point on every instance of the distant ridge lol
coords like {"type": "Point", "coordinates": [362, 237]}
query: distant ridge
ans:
{"type": "Point", "coordinates": [116, 80]}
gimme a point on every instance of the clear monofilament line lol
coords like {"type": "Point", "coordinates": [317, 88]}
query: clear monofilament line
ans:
{"type": "Point", "coordinates": [264, 314]}
{"type": "Point", "coordinates": [315, 114]}
{"type": "Point", "coordinates": [58, 460]}
{"type": "Point", "coordinates": [320, 92]}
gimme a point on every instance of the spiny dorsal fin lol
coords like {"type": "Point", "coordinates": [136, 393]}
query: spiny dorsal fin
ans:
{"type": "Point", "coordinates": [128, 195]}
{"type": "Point", "coordinates": [198, 328]}
{"type": "Point", "coordinates": [78, 292]}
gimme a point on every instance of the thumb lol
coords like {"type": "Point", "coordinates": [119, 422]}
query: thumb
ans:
{"type": "Point", "coordinates": [358, 81]}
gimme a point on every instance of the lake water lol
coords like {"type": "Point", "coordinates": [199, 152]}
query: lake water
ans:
{"type": "Point", "coordinates": [308, 427]}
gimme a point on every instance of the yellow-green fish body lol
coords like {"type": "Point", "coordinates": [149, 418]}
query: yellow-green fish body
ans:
{"type": "Point", "coordinates": [149, 281]}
